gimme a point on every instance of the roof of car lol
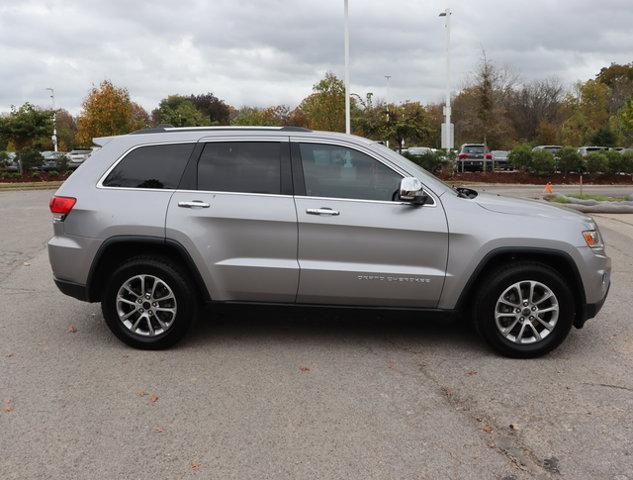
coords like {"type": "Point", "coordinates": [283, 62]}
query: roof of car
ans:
{"type": "Point", "coordinates": [197, 133]}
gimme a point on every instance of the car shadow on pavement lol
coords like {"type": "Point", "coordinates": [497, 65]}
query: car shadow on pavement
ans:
{"type": "Point", "coordinates": [256, 323]}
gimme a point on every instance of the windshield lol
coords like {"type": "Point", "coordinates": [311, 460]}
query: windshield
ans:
{"type": "Point", "coordinates": [435, 184]}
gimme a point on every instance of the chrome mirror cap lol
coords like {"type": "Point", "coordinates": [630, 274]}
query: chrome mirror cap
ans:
{"type": "Point", "coordinates": [411, 191]}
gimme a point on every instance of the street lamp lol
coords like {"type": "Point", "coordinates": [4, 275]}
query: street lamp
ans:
{"type": "Point", "coordinates": [447, 127]}
{"type": "Point", "coordinates": [347, 106]}
{"type": "Point", "coordinates": [54, 137]}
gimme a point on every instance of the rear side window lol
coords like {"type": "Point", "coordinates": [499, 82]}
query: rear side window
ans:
{"type": "Point", "coordinates": [245, 167]}
{"type": "Point", "coordinates": [155, 166]}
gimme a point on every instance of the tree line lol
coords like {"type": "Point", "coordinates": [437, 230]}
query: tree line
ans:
{"type": "Point", "coordinates": [493, 106]}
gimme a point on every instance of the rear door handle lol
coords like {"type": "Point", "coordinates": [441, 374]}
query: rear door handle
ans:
{"type": "Point", "coordinates": [322, 211]}
{"type": "Point", "coordinates": [194, 204]}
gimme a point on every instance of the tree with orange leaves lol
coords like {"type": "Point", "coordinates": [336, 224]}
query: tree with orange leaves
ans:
{"type": "Point", "coordinates": [108, 110]}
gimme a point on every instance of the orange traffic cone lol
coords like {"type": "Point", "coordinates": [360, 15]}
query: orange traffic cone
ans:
{"type": "Point", "coordinates": [548, 188]}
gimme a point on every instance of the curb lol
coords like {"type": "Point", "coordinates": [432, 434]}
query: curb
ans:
{"type": "Point", "coordinates": [18, 186]}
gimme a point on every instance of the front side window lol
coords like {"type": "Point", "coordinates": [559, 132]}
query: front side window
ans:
{"type": "Point", "coordinates": [154, 166]}
{"type": "Point", "coordinates": [341, 172]}
{"type": "Point", "coordinates": [245, 167]}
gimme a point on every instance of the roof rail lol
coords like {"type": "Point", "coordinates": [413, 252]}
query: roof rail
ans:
{"type": "Point", "coordinates": [171, 128]}
{"type": "Point", "coordinates": [157, 129]}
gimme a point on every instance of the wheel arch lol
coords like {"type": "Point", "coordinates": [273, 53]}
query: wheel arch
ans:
{"type": "Point", "coordinates": [559, 260]}
{"type": "Point", "coordinates": [117, 249]}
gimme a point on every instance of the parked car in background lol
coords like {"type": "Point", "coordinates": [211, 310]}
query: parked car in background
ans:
{"type": "Point", "coordinates": [471, 157]}
{"type": "Point", "coordinates": [50, 160]}
{"type": "Point", "coordinates": [553, 149]}
{"type": "Point", "coordinates": [418, 150]}
{"type": "Point", "coordinates": [11, 163]}
{"type": "Point", "coordinates": [584, 151]}
{"type": "Point", "coordinates": [500, 159]}
{"type": "Point", "coordinates": [618, 149]}
{"type": "Point", "coordinates": [77, 157]}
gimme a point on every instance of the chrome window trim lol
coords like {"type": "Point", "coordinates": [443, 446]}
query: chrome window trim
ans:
{"type": "Point", "coordinates": [395, 168]}
{"type": "Point", "coordinates": [282, 138]}
{"type": "Point", "coordinates": [125, 154]}
{"type": "Point", "coordinates": [219, 192]}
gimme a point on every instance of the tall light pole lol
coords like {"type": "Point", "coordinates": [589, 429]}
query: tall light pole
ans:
{"type": "Point", "coordinates": [348, 128]}
{"type": "Point", "coordinates": [447, 127]}
{"type": "Point", "coordinates": [54, 137]}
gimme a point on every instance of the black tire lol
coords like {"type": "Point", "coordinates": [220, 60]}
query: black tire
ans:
{"type": "Point", "coordinates": [170, 273]}
{"type": "Point", "coordinates": [496, 282]}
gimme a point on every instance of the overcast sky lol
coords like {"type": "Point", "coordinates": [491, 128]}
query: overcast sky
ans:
{"type": "Point", "coordinates": [263, 52]}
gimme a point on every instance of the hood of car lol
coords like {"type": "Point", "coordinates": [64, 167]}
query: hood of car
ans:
{"type": "Point", "coordinates": [524, 207]}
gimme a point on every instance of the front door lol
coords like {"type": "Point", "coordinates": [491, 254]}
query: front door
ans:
{"type": "Point", "coordinates": [240, 224]}
{"type": "Point", "coordinates": [357, 246]}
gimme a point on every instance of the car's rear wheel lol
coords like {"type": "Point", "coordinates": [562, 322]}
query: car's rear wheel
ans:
{"type": "Point", "coordinates": [148, 302]}
{"type": "Point", "coordinates": [524, 310]}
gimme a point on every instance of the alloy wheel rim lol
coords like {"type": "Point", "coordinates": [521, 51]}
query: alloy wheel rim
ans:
{"type": "Point", "coordinates": [146, 305]}
{"type": "Point", "coordinates": [526, 312]}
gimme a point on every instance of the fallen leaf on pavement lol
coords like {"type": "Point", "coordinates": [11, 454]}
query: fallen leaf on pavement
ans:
{"type": "Point", "coordinates": [159, 429]}
{"type": "Point", "coordinates": [488, 429]}
{"type": "Point", "coordinates": [141, 393]}
{"type": "Point", "coordinates": [471, 373]}
{"type": "Point", "coordinates": [195, 466]}
{"type": "Point", "coordinates": [153, 398]}
{"type": "Point", "coordinates": [8, 406]}
{"type": "Point", "coordinates": [72, 329]}
{"type": "Point", "coordinates": [304, 369]}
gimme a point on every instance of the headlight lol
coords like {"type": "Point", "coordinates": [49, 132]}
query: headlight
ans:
{"type": "Point", "coordinates": [593, 239]}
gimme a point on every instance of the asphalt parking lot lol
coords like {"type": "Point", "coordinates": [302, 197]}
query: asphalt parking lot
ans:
{"type": "Point", "coordinates": [290, 394]}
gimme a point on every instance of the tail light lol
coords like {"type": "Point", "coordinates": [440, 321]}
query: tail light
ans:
{"type": "Point", "coordinates": [462, 155]}
{"type": "Point", "coordinates": [61, 206]}
{"type": "Point", "coordinates": [488, 156]}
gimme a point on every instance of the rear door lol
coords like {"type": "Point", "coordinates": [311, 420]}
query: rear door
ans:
{"type": "Point", "coordinates": [357, 246]}
{"type": "Point", "coordinates": [237, 219]}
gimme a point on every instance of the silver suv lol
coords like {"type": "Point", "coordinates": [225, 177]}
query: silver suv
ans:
{"type": "Point", "coordinates": [156, 223]}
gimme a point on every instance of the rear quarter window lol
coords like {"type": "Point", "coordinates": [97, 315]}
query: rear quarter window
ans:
{"type": "Point", "coordinates": [152, 166]}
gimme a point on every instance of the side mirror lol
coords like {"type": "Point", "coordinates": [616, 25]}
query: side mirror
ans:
{"type": "Point", "coordinates": [411, 191]}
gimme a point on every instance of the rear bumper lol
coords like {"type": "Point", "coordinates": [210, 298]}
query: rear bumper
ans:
{"type": "Point", "coordinates": [72, 289]}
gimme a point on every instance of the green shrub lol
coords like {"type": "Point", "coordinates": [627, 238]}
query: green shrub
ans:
{"type": "Point", "coordinates": [29, 158]}
{"type": "Point", "coordinates": [520, 157]}
{"type": "Point", "coordinates": [543, 162]}
{"type": "Point", "coordinates": [36, 174]}
{"type": "Point", "coordinates": [627, 162]}
{"type": "Point", "coordinates": [615, 161]}
{"type": "Point", "coordinates": [430, 161]}
{"type": "Point", "coordinates": [597, 162]}
{"type": "Point", "coordinates": [569, 160]}
{"type": "Point", "coordinates": [4, 160]}
{"type": "Point", "coordinates": [62, 163]}
{"type": "Point", "coordinates": [53, 173]}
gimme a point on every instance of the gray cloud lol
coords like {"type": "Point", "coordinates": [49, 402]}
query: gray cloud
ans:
{"type": "Point", "coordinates": [272, 51]}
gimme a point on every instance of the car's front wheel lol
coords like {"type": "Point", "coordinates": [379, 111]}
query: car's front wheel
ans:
{"type": "Point", "coordinates": [524, 310]}
{"type": "Point", "coordinates": [148, 302]}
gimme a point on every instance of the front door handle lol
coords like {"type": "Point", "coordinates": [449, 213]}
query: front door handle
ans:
{"type": "Point", "coordinates": [322, 211]}
{"type": "Point", "coordinates": [194, 204]}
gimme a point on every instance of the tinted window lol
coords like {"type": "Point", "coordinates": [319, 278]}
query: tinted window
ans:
{"type": "Point", "coordinates": [247, 167]}
{"type": "Point", "coordinates": [156, 166]}
{"type": "Point", "coordinates": [339, 172]}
